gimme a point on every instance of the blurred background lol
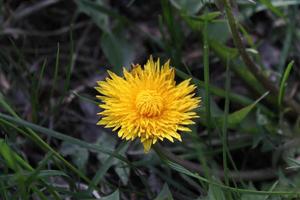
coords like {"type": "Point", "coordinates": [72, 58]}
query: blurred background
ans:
{"type": "Point", "coordinates": [52, 52]}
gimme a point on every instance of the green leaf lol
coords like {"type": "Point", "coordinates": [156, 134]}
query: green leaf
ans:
{"type": "Point", "coordinates": [238, 116]}
{"type": "Point", "coordinates": [108, 141]}
{"type": "Point", "coordinates": [117, 50]}
{"type": "Point", "coordinates": [99, 11]}
{"type": "Point", "coordinates": [91, 9]}
{"type": "Point", "coordinates": [78, 154]}
{"type": "Point", "coordinates": [217, 27]}
{"type": "Point", "coordinates": [164, 194]}
{"type": "Point", "coordinates": [120, 169]}
{"type": "Point", "coordinates": [224, 52]}
{"type": "Point", "coordinates": [209, 17]}
{"type": "Point", "coordinates": [214, 28]}
{"type": "Point", "coordinates": [272, 8]}
{"type": "Point", "coordinates": [113, 196]}
{"type": "Point", "coordinates": [107, 163]}
{"type": "Point", "coordinates": [188, 6]}
{"type": "Point", "coordinates": [123, 173]}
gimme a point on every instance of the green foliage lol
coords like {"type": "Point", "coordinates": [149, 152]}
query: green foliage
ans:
{"type": "Point", "coordinates": [114, 196]}
{"type": "Point", "coordinates": [235, 118]}
{"type": "Point", "coordinates": [190, 7]}
{"type": "Point", "coordinates": [116, 48]}
{"type": "Point", "coordinates": [164, 194]}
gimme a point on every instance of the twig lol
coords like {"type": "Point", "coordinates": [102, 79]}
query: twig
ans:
{"type": "Point", "coordinates": [17, 31]}
{"type": "Point", "coordinates": [32, 9]}
{"type": "Point", "coordinates": [249, 62]}
{"type": "Point", "coordinates": [246, 175]}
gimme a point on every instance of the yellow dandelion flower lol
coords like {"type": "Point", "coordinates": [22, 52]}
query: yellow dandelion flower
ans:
{"type": "Point", "coordinates": [146, 103]}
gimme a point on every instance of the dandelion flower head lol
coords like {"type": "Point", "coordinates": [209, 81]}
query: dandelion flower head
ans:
{"type": "Point", "coordinates": [147, 104]}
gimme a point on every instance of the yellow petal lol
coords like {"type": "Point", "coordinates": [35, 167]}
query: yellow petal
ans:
{"type": "Point", "coordinates": [147, 145]}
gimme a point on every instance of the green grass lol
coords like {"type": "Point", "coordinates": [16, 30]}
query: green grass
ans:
{"type": "Point", "coordinates": [243, 146]}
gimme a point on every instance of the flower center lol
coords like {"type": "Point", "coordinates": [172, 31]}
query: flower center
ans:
{"type": "Point", "coordinates": [149, 103]}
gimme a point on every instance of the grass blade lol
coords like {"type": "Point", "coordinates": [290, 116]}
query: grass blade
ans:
{"type": "Point", "coordinates": [283, 83]}
{"type": "Point", "coordinates": [62, 136]}
{"type": "Point", "coordinates": [224, 125]}
{"type": "Point", "coordinates": [183, 170]}
{"type": "Point", "coordinates": [206, 76]}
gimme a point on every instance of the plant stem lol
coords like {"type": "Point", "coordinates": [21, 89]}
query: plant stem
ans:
{"type": "Point", "coordinates": [254, 175]}
{"type": "Point", "coordinates": [249, 62]}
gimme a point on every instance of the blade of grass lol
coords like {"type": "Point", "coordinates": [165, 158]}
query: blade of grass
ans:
{"type": "Point", "coordinates": [55, 76]}
{"type": "Point", "coordinates": [34, 136]}
{"type": "Point", "coordinates": [271, 189]}
{"type": "Point", "coordinates": [178, 185]}
{"type": "Point", "coordinates": [288, 39]}
{"type": "Point", "coordinates": [71, 62]}
{"type": "Point", "coordinates": [206, 77]}
{"type": "Point", "coordinates": [3, 191]}
{"type": "Point", "coordinates": [14, 162]}
{"type": "Point", "coordinates": [114, 196]}
{"type": "Point", "coordinates": [11, 159]}
{"type": "Point", "coordinates": [274, 90]}
{"type": "Point", "coordinates": [85, 98]}
{"type": "Point", "coordinates": [34, 90]}
{"type": "Point", "coordinates": [224, 125]}
{"type": "Point", "coordinates": [175, 42]}
{"type": "Point", "coordinates": [224, 129]}
{"type": "Point", "coordinates": [39, 193]}
{"type": "Point", "coordinates": [58, 135]}
{"type": "Point", "coordinates": [245, 101]}
{"type": "Point", "coordinates": [22, 163]}
{"type": "Point", "coordinates": [224, 52]}
{"type": "Point", "coordinates": [35, 172]}
{"type": "Point", "coordinates": [41, 76]}
{"type": "Point", "coordinates": [282, 85]}
{"type": "Point", "coordinates": [68, 74]}
{"type": "Point", "coordinates": [278, 3]}
{"type": "Point", "coordinates": [165, 193]}
{"type": "Point", "coordinates": [272, 8]}
{"type": "Point", "coordinates": [107, 164]}
{"type": "Point", "coordinates": [183, 170]}
{"type": "Point", "coordinates": [42, 174]}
